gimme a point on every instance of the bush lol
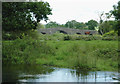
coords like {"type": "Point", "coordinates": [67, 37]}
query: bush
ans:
{"type": "Point", "coordinates": [20, 34]}
{"type": "Point", "coordinates": [109, 38]}
{"type": "Point", "coordinates": [25, 50]}
{"type": "Point", "coordinates": [63, 37]}
{"type": "Point", "coordinates": [8, 36]}
{"type": "Point", "coordinates": [111, 33]}
{"type": "Point", "coordinates": [67, 38]}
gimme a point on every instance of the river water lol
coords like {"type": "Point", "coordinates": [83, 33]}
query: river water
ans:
{"type": "Point", "coordinates": [34, 73]}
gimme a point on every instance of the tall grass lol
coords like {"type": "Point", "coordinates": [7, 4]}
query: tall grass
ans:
{"type": "Point", "coordinates": [79, 54]}
{"type": "Point", "coordinates": [25, 50]}
{"type": "Point", "coordinates": [100, 55]}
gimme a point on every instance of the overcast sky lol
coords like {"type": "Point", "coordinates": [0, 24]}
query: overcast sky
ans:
{"type": "Point", "coordinates": [79, 10]}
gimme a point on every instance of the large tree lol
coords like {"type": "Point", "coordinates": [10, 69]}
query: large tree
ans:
{"type": "Point", "coordinates": [116, 13]}
{"type": "Point", "coordinates": [22, 16]}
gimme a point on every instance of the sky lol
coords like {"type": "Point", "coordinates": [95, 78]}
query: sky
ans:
{"type": "Point", "coordinates": [79, 10]}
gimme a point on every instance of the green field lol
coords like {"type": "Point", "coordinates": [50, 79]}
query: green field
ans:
{"type": "Point", "coordinates": [80, 54]}
{"type": "Point", "coordinates": [100, 55]}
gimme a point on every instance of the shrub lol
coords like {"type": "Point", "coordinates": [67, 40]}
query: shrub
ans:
{"type": "Point", "coordinates": [25, 50]}
{"type": "Point", "coordinates": [111, 33]}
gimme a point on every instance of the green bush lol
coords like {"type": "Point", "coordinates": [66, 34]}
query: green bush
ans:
{"type": "Point", "coordinates": [111, 33]}
{"type": "Point", "coordinates": [67, 38]}
{"type": "Point", "coordinates": [20, 34]}
{"type": "Point", "coordinates": [8, 36]}
{"type": "Point", "coordinates": [25, 50]}
{"type": "Point", "coordinates": [62, 37]}
{"type": "Point", "coordinates": [109, 38]}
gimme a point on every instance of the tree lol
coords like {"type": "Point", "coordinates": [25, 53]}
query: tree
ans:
{"type": "Point", "coordinates": [107, 26]}
{"type": "Point", "coordinates": [81, 25]}
{"type": "Point", "coordinates": [52, 24]}
{"type": "Point", "coordinates": [92, 24]}
{"type": "Point", "coordinates": [75, 24]}
{"type": "Point", "coordinates": [71, 24]}
{"type": "Point", "coordinates": [116, 13]}
{"type": "Point", "coordinates": [102, 18]}
{"type": "Point", "coordinates": [23, 16]}
{"type": "Point", "coordinates": [40, 25]}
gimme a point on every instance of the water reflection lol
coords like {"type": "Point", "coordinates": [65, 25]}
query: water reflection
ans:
{"type": "Point", "coordinates": [80, 74]}
{"type": "Point", "coordinates": [13, 73]}
{"type": "Point", "coordinates": [50, 74]}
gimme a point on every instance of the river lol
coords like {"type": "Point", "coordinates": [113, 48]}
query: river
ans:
{"type": "Point", "coordinates": [36, 73]}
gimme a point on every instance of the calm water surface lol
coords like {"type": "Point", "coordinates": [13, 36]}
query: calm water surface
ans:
{"type": "Point", "coordinates": [25, 73]}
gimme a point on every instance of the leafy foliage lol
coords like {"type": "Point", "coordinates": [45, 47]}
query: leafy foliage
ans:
{"type": "Point", "coordinates": [92, 24]}
{"type": "Point", "coordinates": [25, 51]}
{"type": "Point", "coordinates": [40, 25]}
{"type": "Point", "coordinates": [75, 24]}
{"type": "Point", "coordinates": [107, 26]}
{"type": "Point", "coordinates": [52, 24]}
{"type": "Point", "coordinates": [75, 37]}
{"type": "Point", "coordinates": [24, 16]}
{"type": "Point", "coordinates": [116, 13]}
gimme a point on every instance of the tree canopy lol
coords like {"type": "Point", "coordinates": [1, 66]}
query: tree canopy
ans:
{"type": "Point", "coordinates": [116, 13]}
{"type": "Point", "coordinates": [75, 24]}
{"type": "Point", "coordinates": [107, 26]}
{"type": "Point", "coordinates": [92, 24]}
{"type": "Point", "coordinates": [22, 16]}
{"type": "Point", "coordinates": [52, 24]}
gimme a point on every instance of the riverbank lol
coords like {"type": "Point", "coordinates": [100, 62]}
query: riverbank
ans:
{"type": "Point", "coordinates": [79, 54]}
{"type": "Point", "coordinates": [90, 55]}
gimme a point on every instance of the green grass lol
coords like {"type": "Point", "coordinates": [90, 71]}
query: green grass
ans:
{"type": "Point", "coordinates": [79, 54]}
{"type": "Point", "coordinates": [101, 55]}
{"type": "Point", "coordinates": [24, 50]}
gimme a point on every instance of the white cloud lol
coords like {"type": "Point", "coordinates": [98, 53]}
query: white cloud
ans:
{"type": "Point", "coordinates": [79, 10]}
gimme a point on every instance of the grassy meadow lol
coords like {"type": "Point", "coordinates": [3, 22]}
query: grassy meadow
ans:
{"type": "Point", "coordinates": [83, 54]}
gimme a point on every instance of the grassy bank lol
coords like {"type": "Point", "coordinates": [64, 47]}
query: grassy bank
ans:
{"type": "Point", "coordinates": [100, 55]}
{"type": "Point", "coordinates": [80, 54]}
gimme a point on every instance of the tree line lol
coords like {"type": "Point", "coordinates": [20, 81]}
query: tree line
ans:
{"type": "Point", "coordinates": [24, 16]}
{"type": "Point", "coordinates": [103, 26]}
{"type": "Point", "coordinates": [74, 24]}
